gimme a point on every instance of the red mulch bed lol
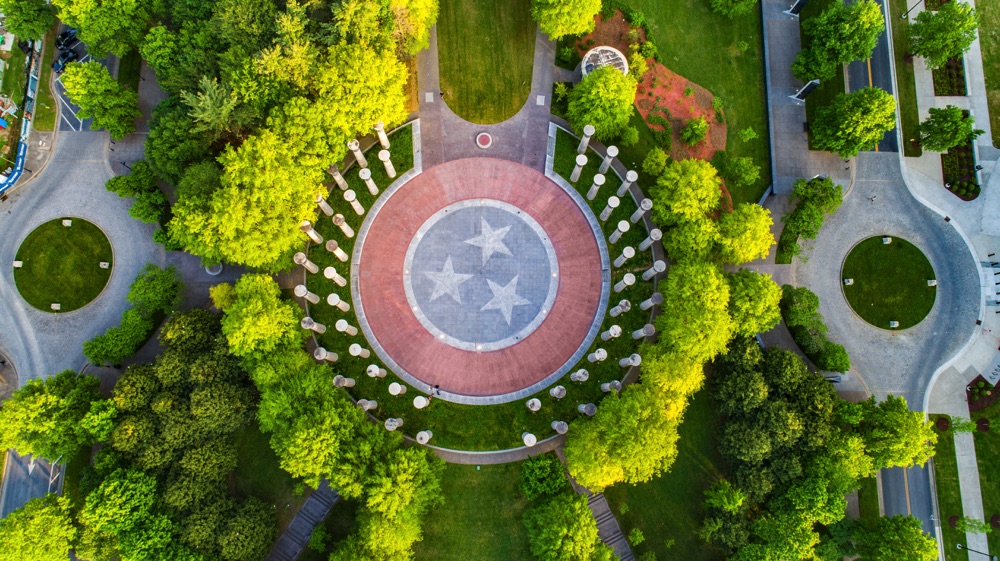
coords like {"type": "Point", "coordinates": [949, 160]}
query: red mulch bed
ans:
{"type": "Point", "coordinates": [952, 521]}
{"type": "Point", "coordinates": [984, 400]}
{"type": "Point", "coordinates": [995, 521]}
{"type": "Point", "coordinates": [983, 425]}
{"type": "Point", "coordinates": [943, 424]}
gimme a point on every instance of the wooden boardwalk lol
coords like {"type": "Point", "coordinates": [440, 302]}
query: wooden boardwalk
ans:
{"type": "Point", "coordinates": [295, 537]}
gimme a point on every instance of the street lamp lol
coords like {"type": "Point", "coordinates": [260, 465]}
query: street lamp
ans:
{"type": "Point", "coordinates": [910, 10]}
{"type": "Point", "coordinates": [960, 546]}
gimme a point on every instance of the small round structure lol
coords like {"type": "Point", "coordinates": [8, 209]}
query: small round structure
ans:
{"type": "Point", "coordinates": [889, 282]}
{"type": "Point", "coordinates": [484, 140]}
{"type": "Point", "coordinates": [603, 56]}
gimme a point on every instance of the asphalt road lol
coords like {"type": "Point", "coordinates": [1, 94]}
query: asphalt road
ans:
{"type": "Point", "coordinates": [908, 492]}
{"type": "Point", "coordinates": [24, 480]}
{"type": "Point", "coordinates": [876, 72]}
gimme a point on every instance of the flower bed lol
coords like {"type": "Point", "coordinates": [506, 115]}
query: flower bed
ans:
{"type": "Point", "coordinates": [980, 394]}
{"type": "Point", "coordinates": [949, 80]}
{"type": "Point", "coordinates": [959, 166]}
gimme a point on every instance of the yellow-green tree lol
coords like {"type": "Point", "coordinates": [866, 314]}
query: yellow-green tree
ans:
{"type": "Point", "coordinates": [602, 99]}
{"type": "Point", "coordinates": [41, 530]}
{"type": "Point", "coordinates": [559, 18]}
{"type": "Point", "coordinates": [753, 302]}
{"type": "Point", "coordinates": [745, 234]}
{"type": "Point", "coordinates": [695, 320]}
{"type": "Point", "coordinates": [687, 190]}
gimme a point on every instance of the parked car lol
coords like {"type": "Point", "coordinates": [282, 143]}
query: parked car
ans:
{"type": "Point", "coordinates": [67, 39]}
{"type": "Point", "coordinates": [65, 58]}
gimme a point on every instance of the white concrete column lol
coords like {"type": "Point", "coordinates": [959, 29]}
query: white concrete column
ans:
{"type": "Point", "coordinates": [309, 323]}
{"type": "Point", "coordinates": [609, 159]}
{"type": "Point", "coordinates": [595, 186]}
{"type": "Point", "coordinates": [645, 206]}
{"type": "Point", "coordinates": [337, 302]}
{"type": "Point", "coordinates": [366, 176]}
{"type": "Point", "coordinates": [355, 147]}
{"type": "Point", "coordinates": [307, 227]}
{"type": "Point", "coordinates": [627, 281]}
{"type": "Point", "coordinates": [598, 356]}
{"type": "Point", "coordinates": [528, 439]}
{"type": "Point", "coordinates": [374, 371]}
{"type": "Point", "coordinates": [534, 404]}
{"type": "Point", "coordinates": [620, 309]}
{"type": "Point", "coordinates": [588, 131]}
{"type": "Point", "coordinates": [340, 222]}
{"type": "Point", "coordinates": [338, 178]}
{"type": "Point", "coordinates": [655, 300]}
{"type": "Point", "coordinates": [322, 354]}
{"type": "Point", "coordinates": [420, 402]}
{"type": "Point", "coordinates": [393, 423]}
{"type": "Point", "coordinates": [623, 227]}
{"type": "Point", "coordinates": [657, 268]}
{"type": "Point", "coordinates": [383, 139]}
{"type": "Point", "coordinates": [580, 375]}
{"type": "Point", "coordinates": [581, 161]}
{"type": "Point", "coordinates": [344, 327]}
{"type": "Point", "coordinates": [357, 350]}
{"type": "Point", "coordinates": [654, 236]}
{"type": "Point", "coordinates": [333, 247]}
{"type": "Point", "coordinates": [612, 386]}
{"type": "Point", "coordinates": [630, 177]}
{"type": "Point", "coordinates": [301, 291]}
{"type": "Point", "coordinates": [613, 203]}
{"type": "Point", "coordinates": [647, 330]}
{"type": "Point", "coordinates": [387, 162]}
{"type": "Point", "coordinates": [367, 404]}
{"type": "Point", "coordinates": [396, 388]}
{"type": "Point", "coordinates": [633, 360]}
{"type": "Point", "coordinates": [558, 392]}
{"type": "Point", "coordinates": [323, 205]}
{"type": "Point", "coordinates": [588, 409]}
{"type": "Point", "coordinates": [332, 274]}
{"type": "Point", "coordinates": [424, 436]}
{"type": "Point", "coordinates": [561, 427]}
{"type": "Point", "coordinates": [301, 259]}
{"type": "Point", "coordinates": [352, 198]}
{"type": "Point", "coordinates": [613, 332]}
{"type": "Point", "coordinates": [627, 253]}
{"type": "Point", "coordinates": [342, 382]}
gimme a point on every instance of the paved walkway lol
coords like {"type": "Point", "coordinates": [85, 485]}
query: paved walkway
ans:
{"type": "Point", "coordinates": [294, 539]}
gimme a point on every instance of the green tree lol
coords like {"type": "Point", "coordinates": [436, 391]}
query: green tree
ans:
{"type": "Point", "coordinates": [896, 538]}
{"type": "Point", "coordinates": [107, 25]}
{"type": "Point", "coordinates": [742, 171]}
{"type": "Point", "coordinates": [542, 475]}
{"type": "Point", "coordinates": [101, 97]}
{"type": "Point", "coordinates": [695, 320]}
{"type": "Point", "coordinates": [733, 8]}
{"type": "Point", "coordinates": [43, 417]}
{"type": "Point", "coordinates": [27, 19]}
{"type": "Point", "coordinates": [413, 20]}
{"type": "Point", "coordinates": [602, 99]}
{"type": "Point", "coordinates": [156, 291]}
{"type": "Point", "coordinates": [258, 321]}
{"type": "Point", "coordinates": [946, 128]}
{"type": "Point", "coordinates": [841, 34]}
{"type": "Point", "coordinates": [249, 533]}
{"type": "Point", "coordinates": [947, 33]}
{"type": "Point", "coordinates": [854, 121]}
{"type": "Point", "coordinates": [691, 240]}
{"type": "Point", "coordinates": [119, 342]}
{"type": "Point", "coordinates": [967, 524]}
{"type": "Point", "coordinates": [171, 148]}
{"type": "Point", "coordinates": [962, 424]}
{"type": "Point", "coordinates": [694, 131]}
{"type": "Point", "coordinates": [745, 234]}
{"type": "Point", "coordinates": [215, 109]}
{"type": "Point", "coordinates": [655, 162]}
{"type": "Point", "coordinates": [563, 529]}
{"type": "Point", "coordinates": [41, 530]}
{"type": "Point", "coordinates": [688, 189]}
{"type": "Point", "coordinates": [723, 496]}
{"type": "Point", "coordinates": [559, 18]}
{"type": "Point", "coordinates": [895, 436]}
{"type": "Point", "coordinates": [753, 302]}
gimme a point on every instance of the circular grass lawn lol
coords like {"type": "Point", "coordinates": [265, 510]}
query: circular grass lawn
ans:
{"type": "Point", "coordinates": [890, 282]}
{"type": "Point", "coordinates": [62, 264]}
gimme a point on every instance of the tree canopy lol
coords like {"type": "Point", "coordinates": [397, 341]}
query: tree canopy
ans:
{"type": "Point", "coordinates": [28, 19]}
{"type": "Point", "coordinates": [947, 33]}
{"type": "Point", "coordinates": [559, 18]}
{"type": "Point", "coordinates": [745, 234]}
{"type": "Point", "coordinates": [854, 121]}
{"type": "Point", "coordinates": [41, 530]}
{"type": "Point", "coordinates": [946, 128]}
{"type": "Point", "coordinates": [840, 34]}
{"type": "Point", "coordinates": [563, 529]}
{"type": "Point", "coordinates": [106, 25]}
{"type": "Point", "coordinates": [602, 99]}
{"type": "Point", "coordinates": [687, 190]}
{"type": "Point", "coordinates": [101, 97]}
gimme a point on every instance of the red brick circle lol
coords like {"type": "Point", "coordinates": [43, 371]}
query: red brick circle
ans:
{"type": "Point", "coordinates": [379, 269]}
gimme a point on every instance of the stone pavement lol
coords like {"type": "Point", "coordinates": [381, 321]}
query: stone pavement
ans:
{"type": "Point", "coordinates": [292, 542]}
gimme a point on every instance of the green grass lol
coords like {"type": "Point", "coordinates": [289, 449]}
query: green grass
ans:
{"type": "Point", "coordinates": [702, 46]}
{"type": "Point", "coordinates": [989, 40]}
{"type": "Point", "coordinates": [948, 493]}
{"type": "Point", "coordinates": [128, 70]}
{"type": "Point", "coordinates": [476, 427]}
{"type": "Point", "coordinates": [890, 282]}
{"type": "Point", "coordinates": [13, 76]}
{"type": "Point", "coordinates": [480, 518]}
{"type": "Point", "coordinates": [339, 523]}
{"type": "Point", "coordinates": [259, 475]}
{"type": "Point", "coordinates": [906, 85]}
{"type": "Point", "coordinates": [987, 456]}
{"type": "Point", "coordinates": [828, 89]}
{"type": "Point", "coordinates": [669, 507]}
{"type": "Point", "coordinates": [486, 49]}
{"type": "Point", "coordinates": [63, 265]}
{"type": "Point", "coordinates": [44, 118]}
{"type": "Point", "coordinates": [868, 499]}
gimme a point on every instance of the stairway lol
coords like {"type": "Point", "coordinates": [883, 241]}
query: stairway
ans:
{"type": "Point", "coordinates": [295, 537]}
{"type": "Point", "coordinates": [607, 527]}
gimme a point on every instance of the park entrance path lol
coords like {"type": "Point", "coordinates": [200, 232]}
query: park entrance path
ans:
{"type": "Point", "coordinates": [294, 539]}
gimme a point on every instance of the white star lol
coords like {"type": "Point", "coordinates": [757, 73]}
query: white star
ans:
{"type": "Point", "coordinates": [504, 298]}
{"type": "Point", "coordinates": [447, 281]}
{"type": "Point", "coordinates": [490, 240]}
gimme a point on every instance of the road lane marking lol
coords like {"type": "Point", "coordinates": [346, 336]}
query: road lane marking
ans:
{"type": "Point", "coordinates": [906, 485]}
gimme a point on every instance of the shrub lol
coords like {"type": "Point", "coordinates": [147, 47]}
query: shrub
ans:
{"type": "Point", "coordinates": [800, 309]}
{"type": "Point", "coordinates": [649, 50]}
{"type": "Point", "coordinates": [719, 107]}
{"type": "Point", "coordinates": [655, 162]}
{"type": "Point", "coordinates": [319, 539]}
{"type": "Point", "coordinates": [748, 134]}
{"type": "Point", "coordinates": [694, 131]}
{"type": "Point", "coordinates": [565, 54]}
{"type": "Point", "coordinates": [119, 342]}
{"type": "Point", "coordinates": [637, 66]}
{"type": "Point", "coordinates": [542, 475]}
{"type": "Point", "coordinates": [635, 17]}
{"type": "Point", "coordinates": [635, 537]}
{"type": "Point", "coordinates": [629, 137]}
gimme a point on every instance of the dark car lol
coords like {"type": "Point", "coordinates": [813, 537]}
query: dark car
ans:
{"type": "Point", "coordinates": [67, 39]}
{"type": "Point", "coordinates": [65, 58]}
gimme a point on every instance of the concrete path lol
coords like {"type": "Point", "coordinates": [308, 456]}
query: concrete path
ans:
{"type": "Point", "coordinates": [294, 539]}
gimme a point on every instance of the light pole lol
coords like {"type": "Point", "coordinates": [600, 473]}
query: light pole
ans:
{"type": "Point", "coordinates": [910, 10]}
{"type": "Point", "coordinates": [993, 557]}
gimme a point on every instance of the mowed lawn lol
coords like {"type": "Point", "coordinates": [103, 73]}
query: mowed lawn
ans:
{"type": "Point", "coordinates": [828, 89]}
{"type": "Point", "coordinates": [703, 47]}
{"type": "Point", "coordinates": [890, 282]}
{"type": "Point", "coordinates": [989, 40]}
{"type": "Point", "coordinates": [987, 456]}
{"type": "Point", "coordinates": [62, 265]}
{"type": "Point", "coordinates": [948, 493]}
{"type": "Point", "coordinates": [669, 507]}
{"type": "Point", "coordinates": [480, 518]}
{"type": "Point", "coordinates": [906, 85]}
{"type": "Point", "coordinates": [485, 52]}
